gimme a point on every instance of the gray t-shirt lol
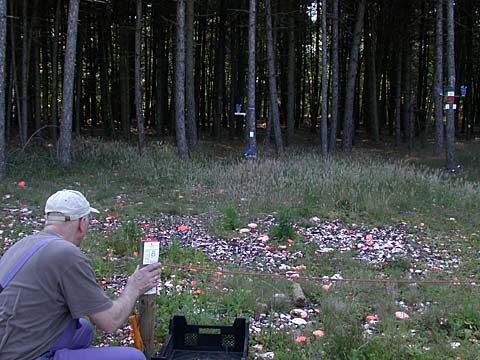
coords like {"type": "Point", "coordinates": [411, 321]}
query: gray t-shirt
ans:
{"type": "Point", "coordinates": [57, 284]}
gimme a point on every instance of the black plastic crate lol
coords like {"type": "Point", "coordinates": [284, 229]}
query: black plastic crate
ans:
{"type": "Point", "coordinates": [205, 342]}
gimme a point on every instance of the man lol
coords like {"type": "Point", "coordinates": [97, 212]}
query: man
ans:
{"type": "Point", "coordinates": [48, 285]}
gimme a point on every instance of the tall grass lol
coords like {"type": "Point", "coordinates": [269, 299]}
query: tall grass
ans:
{"type": "Point", "coordinates": [356, 188]}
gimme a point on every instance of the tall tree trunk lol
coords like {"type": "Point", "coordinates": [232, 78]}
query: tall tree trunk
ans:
{"type": "Point", "coordinates": [138, 85]}
{"type": "Point", "coordinates": [348, 126]}
{"type": "Point", "coordinates": [191, 118]}
{"type": "Point", "coordinates": [161, 77]}
{"type": "Point", "coordinates": [3, 42]}
{"type": "Point", "coordinates": [291, 80]}
{"type": "Point", "coordinates": [251, 113]}
{"type": "Point", "coordinates": [450, 128]}
{"type": "Point", "coordinates": [45, 83]}
{"type": "Point", "coordinates": [23, 120]}
{"type": "Point", "coordinates": [316, 68]}
{"type": "Point", "coordinates": [104, 77]}
{"type": "Point", "coordinates": [335, 80]}
{"type": "Point", "coordinates": [324, 81]}
{"type": "Point", "coordinates": [272, 80]}
{"type": "Point", "coordinates": [36, 72]}
{"type": "Point", "coordinates": [372, 80]}
{"type": "Point", "coordinates": [219, 73]}
{"type": "Point", "coordinates": [182, 146]}
{"type": "Point", "coordinates": [398, 97]}
{"type": "Point", "coordinates": [55, 45]}
{"type": "Point", "coordinates": [407, 117]}
{"type": "Point", "coordinates": [124, 73]}
{"type": "Point", "coordinates": [79, 83]}
{"type": "Point", "coordinates": [439, 131]}
{"type": "Point", "coordinates": [65, 142]}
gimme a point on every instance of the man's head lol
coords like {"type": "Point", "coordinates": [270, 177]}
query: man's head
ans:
{"type": "Point", "coordinates": [67, 212]}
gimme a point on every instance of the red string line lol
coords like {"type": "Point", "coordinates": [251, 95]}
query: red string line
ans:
{"type": "Point", "coordinates": [322, 278]}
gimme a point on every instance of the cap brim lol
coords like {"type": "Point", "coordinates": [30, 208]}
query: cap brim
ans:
{"type": "Point", "coordinates": [93, 210]}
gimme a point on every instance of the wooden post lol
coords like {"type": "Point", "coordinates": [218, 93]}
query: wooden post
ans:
{"type": "Point", "coordinates": [147, 310]}
{"type": "Point", "coordinates": [147, 306]}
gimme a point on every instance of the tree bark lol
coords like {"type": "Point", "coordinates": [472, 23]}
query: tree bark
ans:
{"type": "Point", "coordinates": [124, 74]}
{"type": "Point", "coordinates": [23, 119]}
{"type": "Point", "coordinates": [272, 80]}
{"type": "Point", "coordinates": [105, 78]}
{"type": "Point", "coordinates": [191, 118]}
{"type": "Point", "coordinates": [251, 113]}
{"type": "Point", "coordinates": [138, 85]}
{"type": "Point", "coordinates": [55, 44]}
{"type": "Point", "coordinates": [335, 80]}
{"type": "Point", "coordinates": [291, 80]}
{"type": "Point", "coordinates": [372, 81]}
{"type": "Point", "coordinates": [65, 143]}
{"type": "Point", "coordinates": [324, 134]}
{"type": "Point", "coordinates": [450, 128]}
{"type": "Point", "coordinates": [3, 42]}
{"type": "Point", "coordinates": [398, 97]}
{"type": "Point", "coordinates": [348, 126]}
{"type": "Point", "coordinates": [439, 131]}
{"type": "Point", "coordinates": [182, 146]}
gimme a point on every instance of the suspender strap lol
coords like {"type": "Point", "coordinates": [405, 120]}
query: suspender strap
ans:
{"type": "Point", "coordinates": [28, 254]}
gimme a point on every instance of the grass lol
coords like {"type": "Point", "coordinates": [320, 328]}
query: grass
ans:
{"type": "Point", "coordinates": [226, 192]}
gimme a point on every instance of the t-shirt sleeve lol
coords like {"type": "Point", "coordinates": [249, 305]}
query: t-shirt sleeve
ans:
{"type": "Point", "coordinates": [82, 294]}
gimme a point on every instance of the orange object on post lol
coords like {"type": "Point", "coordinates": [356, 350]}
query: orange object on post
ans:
{"type": "Point", "coordinates": [137, 336]}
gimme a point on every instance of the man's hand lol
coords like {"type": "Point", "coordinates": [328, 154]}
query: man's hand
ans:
{"type": "Point", "coordinates": [141, 280]}
{"type": "Point", "coordinates": [144, 278]}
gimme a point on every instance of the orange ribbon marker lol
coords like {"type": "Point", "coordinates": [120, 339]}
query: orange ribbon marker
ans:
{"type": "Point", "coordinates": [137, 336]}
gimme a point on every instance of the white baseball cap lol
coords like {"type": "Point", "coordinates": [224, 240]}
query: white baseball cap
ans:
{"type": "Point", "coordinates": [67, 205]}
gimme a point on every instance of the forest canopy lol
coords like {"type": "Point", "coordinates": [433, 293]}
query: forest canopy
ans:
{"type": "Point", "coordinates": [402, 72]}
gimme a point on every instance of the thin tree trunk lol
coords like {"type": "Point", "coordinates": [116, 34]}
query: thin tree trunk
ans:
{"type": "Point", "coordinates": [398, 98]}
{"type": "Point", "coordinates": [372, 81]}
{"type": "Point", "coordinates": [3, 42]}
{"type": "Point", "coordinates": [13, 64]}
{"type": "Point", "coordinates": [36, 72]}
{"type": "Point", "coordinates": [291, 81]}
{"type": "Point", "coordinates": [105, 78]}
{"type": "Point", "coordinates": [65, 143]}
{"type": "Point", "coordinates": [450, 128]}
{"type": "Point", "coordinates": [324, 133]}
{"type": "Point", "coordinates": [25, 78]}
{"type": "Point", "coordinates": [45, 82]}
{"type": "Point", "coordinates": [251, 113]}
{"type": "Point", "coordinates": [219, 73]}
{"type": "Point", "coordinates": [439, 131]}
{"type": "Point", "coordinates": [272, 80]}
{"type": "Point", "coordinates": [316, 68]}
{"type": "Point", "coordinates": [407, 95]}
{"type": "Point", "coordinates": [138, 85]}
{"type": "Point", "coordinates": [78, 83]}
{"type": "Point", "coordinates": [191, 119]}
{"type": "Point", "coordinates": [335, 81]}
{"type": "Point", "coordinates": [161, 78]}
{"type": "Point", "coordinates": [55, 43]}
{"type": "Point", "coordinates": [124, 73]}
{"type": "Point", "coordinates": [348, 126]}
{"type": "Point", "coordinates": [182, 145]}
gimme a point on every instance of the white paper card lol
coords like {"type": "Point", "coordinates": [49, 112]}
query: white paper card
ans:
{"type": "Point", "coordinates": [151, 252]}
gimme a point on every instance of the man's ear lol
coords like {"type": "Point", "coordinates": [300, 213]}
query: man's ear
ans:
{"type": "Point", "coordinates": [83, 224]}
